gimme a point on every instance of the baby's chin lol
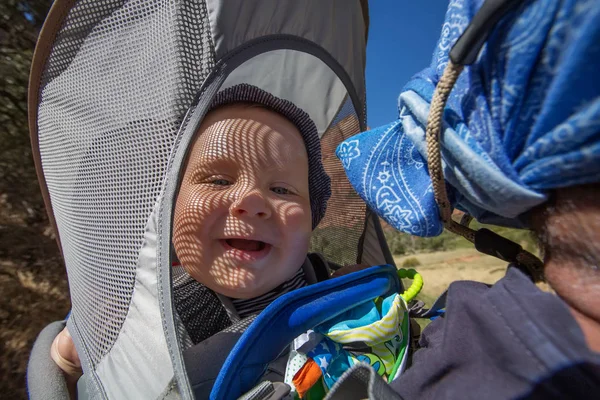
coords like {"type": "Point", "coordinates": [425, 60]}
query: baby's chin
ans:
{"type": "Point", "coordinates": [241, 280]}
{"type": "Point", "coordinates": [235, 282]}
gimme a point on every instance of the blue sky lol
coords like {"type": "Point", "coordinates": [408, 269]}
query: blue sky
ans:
{"type": "Point", "coordinates": [402, 36]}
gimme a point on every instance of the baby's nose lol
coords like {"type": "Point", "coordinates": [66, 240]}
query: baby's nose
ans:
{"type": "Point", "coordinates": [251, 204]}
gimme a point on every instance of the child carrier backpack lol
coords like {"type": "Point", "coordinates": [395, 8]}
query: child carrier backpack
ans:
{"type": "Point", "coordinates": [117, 90]}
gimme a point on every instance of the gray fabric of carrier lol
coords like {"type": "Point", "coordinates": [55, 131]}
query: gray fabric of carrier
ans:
{"type": "Point", "coordinates": [113, 90]}
{"type": "Point", "coordinates": [310, 74]}
{"type": "Point", "coordinates": [44, 379]}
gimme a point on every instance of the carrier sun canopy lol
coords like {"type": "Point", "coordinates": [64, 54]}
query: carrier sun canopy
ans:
{"type": "Point", "coordinates": [117, 90]}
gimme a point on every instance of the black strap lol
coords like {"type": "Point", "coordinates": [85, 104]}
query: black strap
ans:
{"type": "Point", "coordinates": [204, 360]}
{"type": "Point", "coordinates": [362, 382]}
{"type": "Point", "coordinates": [422, 312]}
{"type": "Point", "coordinates": [490, 243]}
{"type": "Point", "coordinates": [275, 371]}
{"type": "Point", "coordinates": [267, 390]}
{"type": "Point", "coordinates": [320, 265]}
{"type": "Point", "coordinates": [468, 45]}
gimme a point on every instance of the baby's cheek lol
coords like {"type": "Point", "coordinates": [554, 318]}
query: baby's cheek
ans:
{"type": "Point", "coordinates": [188, 223]}
{"type": "Point", "coordinates": [297, 229]}
{"type": "Point", "coordinates": [296, 218]}
{"type": "Point", "coordinates": [196, 206]}
{"type": "Point", "coordinates": [186, 219]}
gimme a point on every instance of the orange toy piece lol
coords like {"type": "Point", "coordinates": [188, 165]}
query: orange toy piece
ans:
{"type": "Point", "coordinates": [306, 377]}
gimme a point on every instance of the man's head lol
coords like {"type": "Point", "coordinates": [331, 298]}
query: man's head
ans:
{"type": "Point", "coordinates": [246, 206]}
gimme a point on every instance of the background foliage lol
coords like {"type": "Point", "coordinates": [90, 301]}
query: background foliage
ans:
{"type": "Point", "coordinates": [19, 27]}
{"type": "Point", "coordinates": [32, 278]}
{"type": "Point", "coordinates": [403, 244]}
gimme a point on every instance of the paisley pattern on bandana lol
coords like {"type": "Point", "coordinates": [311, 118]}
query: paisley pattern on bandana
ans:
{"type": "Point", "coordinates": [403, 197]}
{"type": "Point", "coordinates": [348, 151]}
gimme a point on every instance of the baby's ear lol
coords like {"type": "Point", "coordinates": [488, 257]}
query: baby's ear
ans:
{"type": "Point", "coordinates": [348, 269]}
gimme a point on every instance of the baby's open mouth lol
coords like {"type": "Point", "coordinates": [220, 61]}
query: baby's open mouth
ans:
{"type": "Point", "coordinates": [246, 245]}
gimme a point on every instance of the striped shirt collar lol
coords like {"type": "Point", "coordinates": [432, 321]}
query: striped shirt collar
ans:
{"type": "Point", "coordinates": [246, 307]}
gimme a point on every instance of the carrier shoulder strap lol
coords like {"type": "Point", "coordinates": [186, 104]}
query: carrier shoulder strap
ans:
{"type": "Point", "coordinates": [362, 382]}
{"type": "Point", "coordinates": [203, 361]}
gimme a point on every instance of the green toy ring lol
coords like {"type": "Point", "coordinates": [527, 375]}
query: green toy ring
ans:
{"type": "Point", "coordinates": [416, 285]}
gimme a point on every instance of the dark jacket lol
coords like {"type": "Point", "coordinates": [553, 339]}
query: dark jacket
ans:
{"type": "Point", "coordinates": [507, 341]}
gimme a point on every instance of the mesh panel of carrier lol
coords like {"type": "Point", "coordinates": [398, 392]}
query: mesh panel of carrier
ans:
{"type": "Point", "coordinates": [337, 236]}
{"type": "Point", "coordinates": [200, 311]}
{"type": "Point", "coordinates": [96, 106]}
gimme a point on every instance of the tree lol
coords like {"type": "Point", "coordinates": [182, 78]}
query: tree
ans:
{"type": "Point", "coordinates": [20, 23]}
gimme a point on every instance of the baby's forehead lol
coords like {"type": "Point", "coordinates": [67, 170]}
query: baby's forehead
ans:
{"type": "Point", "coordinates": [245, 132]}
{"type": "Point", "coordinates": [243, 127]}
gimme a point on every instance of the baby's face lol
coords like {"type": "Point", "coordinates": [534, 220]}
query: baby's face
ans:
{"type": "Point", "coordinates": [242, 219]}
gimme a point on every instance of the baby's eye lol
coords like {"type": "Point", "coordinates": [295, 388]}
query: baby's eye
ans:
{"type": "Point", "coordinates": [220, 182]}
{"type": "Point", "coordinates": [280, 190]}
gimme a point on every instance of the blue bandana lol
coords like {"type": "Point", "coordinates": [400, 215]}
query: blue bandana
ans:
{"type": "Point", "coordinates": [524, 119]}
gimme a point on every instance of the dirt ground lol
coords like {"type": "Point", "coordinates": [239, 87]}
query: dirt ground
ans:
{"type": "Point", "coordinates": [439, 269]}
{"type": "Point", "coordinates": [34, 292]}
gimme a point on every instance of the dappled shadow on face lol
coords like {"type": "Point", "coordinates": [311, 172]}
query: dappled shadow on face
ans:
{"type": "Point", "coordinates": [242, 219]}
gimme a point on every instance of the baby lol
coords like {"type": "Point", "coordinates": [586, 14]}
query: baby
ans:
{"type": "Point", "coordinates": [251, 193]}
